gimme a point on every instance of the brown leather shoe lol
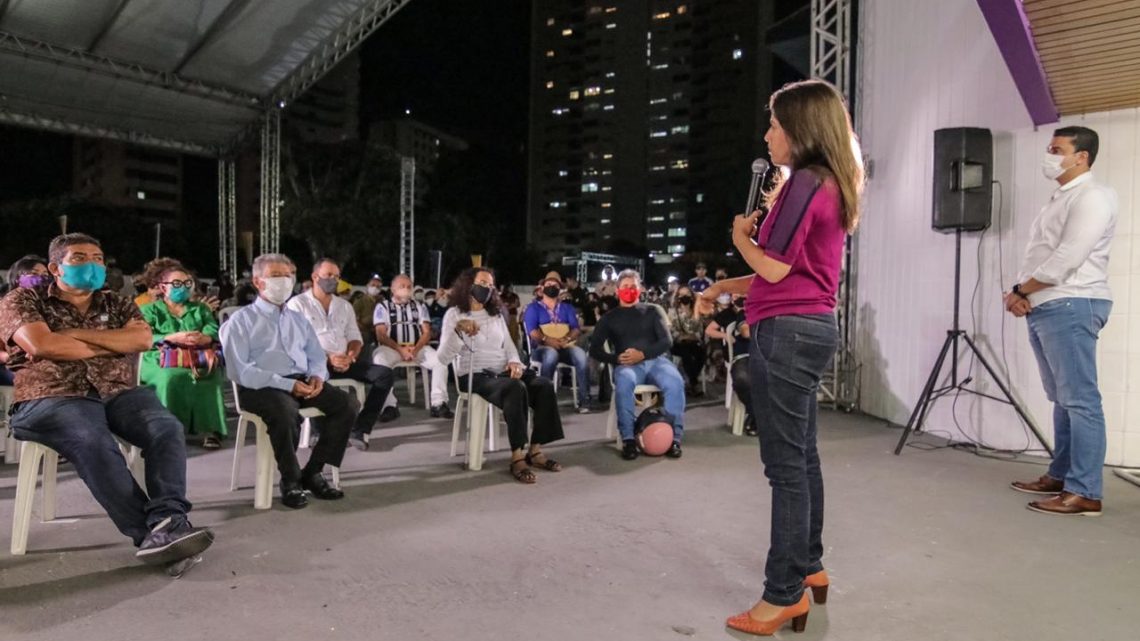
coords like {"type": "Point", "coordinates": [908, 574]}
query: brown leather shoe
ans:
{"type": "Point", "coordinates": [1067, 504]}
{"type": "Point", "coordinates": [1044, 485]}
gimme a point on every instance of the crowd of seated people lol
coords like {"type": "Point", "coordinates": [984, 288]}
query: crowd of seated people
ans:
{"type": "Point", "coordinates": [70, 342]}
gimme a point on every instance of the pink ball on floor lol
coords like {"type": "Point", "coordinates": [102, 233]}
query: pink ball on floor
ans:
{"type": "Point", "coordinates": [656, 438]}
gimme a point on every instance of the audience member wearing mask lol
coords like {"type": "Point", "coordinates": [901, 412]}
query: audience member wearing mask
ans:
{"type": "Point", "coordinates": [276, 359]}
{"type": "Point", "coordinates": [688, 329]}
{"type": "Point", "coordinates": [334, 322]}
{"type": "Point", "coordinates": [717, 330]}
{"type": "Point", "coordinates": [552, 331]}
{"type": "Point", "coordinates": [363, 307]}
{"type": "Point", "coordinates": [435, 311]}
{"type": "Point", "coordinates": [29, 272]}
{"type": "Point", "coordinates": [475, 332]}
{"type": "Point", "coordinates": [403, 335]}
{"type": "Point", "coordinates": [194, 396]}
{"type": "Point", "coordinates": [78, 393]}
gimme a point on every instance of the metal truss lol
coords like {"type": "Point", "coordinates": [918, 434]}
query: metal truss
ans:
{"type": "Point", "coordinates": [582, 261]}
{"type": "Point", "coordinates": [271, 183]}
{"type": "Point", "coordinates": [83, 60]}
{"type": "Point", "coordinates": [96, 131]}
{"type": "Point", "coordinates": [831, 53]}
{"type": "Point", "coordinates": [227, 217]}
{"type": "Point", "coordinates": [326, 52]}
{"type": "Point", "coordinates": [408, 216]}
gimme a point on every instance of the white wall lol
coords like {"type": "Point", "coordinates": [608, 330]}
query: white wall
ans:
{"type": "Point", "coordinates": [928, 65]}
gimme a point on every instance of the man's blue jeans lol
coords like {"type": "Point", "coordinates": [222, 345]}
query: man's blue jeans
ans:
{"type": "Point", "coordinates": [787, 357]}
{"type": "Point", "coordinates": [82, 428]}
{"type": "Point", "coordinates": [549, 358]}
{"type": "Point", "coordinates": [1063, 333]}
{"type": "Point", "coordinates": [659, 371]}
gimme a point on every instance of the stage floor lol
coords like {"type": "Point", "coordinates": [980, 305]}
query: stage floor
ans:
{"type": "Point", "coordinates": [931, 545]}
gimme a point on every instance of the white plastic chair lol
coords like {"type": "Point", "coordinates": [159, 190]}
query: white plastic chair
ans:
{"type": "Point", "coordinates": [643, 395]}
{"type": "Point", "coordinates": [731, 401]}
{"type": "Point", "coordinates": [225, 313]}
{"type": "Point", "coordinates": [31, 455]}
{"type": "Point", "coordinates": [480, 414]}
{"type": "Point", "coordinates": [11, 445]}
{"type": "Point", "coordinates": [536, 365]}
{"type": "Point", "coordinates": [347, 384]}
{"type": "Point", "coordinates": [425, 374]}
{"type": "Point", "coordinates": [263, 479]}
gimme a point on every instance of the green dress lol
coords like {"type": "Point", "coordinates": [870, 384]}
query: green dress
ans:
{"type": "Point", "coordinates": [197, 403]}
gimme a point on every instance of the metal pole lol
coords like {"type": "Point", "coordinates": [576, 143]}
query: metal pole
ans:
{"type": "Point", "coordinates": [157, 240]}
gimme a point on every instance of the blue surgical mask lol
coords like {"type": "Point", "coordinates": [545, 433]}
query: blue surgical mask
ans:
{"type": "Point", "coordinates": [179, 295]}
{"type": "Point", "coordinates": [89, 276]}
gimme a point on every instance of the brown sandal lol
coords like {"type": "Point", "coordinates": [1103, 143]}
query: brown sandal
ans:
{"type": "Point", "coordinates": [548, 464]}
{"type": "Point", "coordinates": [523, 474]}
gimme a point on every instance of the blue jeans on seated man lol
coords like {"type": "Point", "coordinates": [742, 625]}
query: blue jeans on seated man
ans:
{"type": "Point", "coordinates": [83, 429]}
{"type": "Point", "coordinates": [549, 358]}
{"type": "Point", "coordinates": [1063, 334]}
{"type": "Point", "coordinates": [658, 371]}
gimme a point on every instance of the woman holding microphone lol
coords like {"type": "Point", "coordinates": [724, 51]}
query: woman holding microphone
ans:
{"type": "Point", "coordinates": [796, 254]}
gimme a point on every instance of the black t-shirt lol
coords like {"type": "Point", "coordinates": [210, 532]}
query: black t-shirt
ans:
{"type": "Point", "coordinates": [726, 317]}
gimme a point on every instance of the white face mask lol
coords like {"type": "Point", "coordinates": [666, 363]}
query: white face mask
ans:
{"type": "Point", "coordinates": [277, 289]}
{"type": "Point", "coordinates": [373, 290]}
{"type": "Point", "coordinates": [1051, 166]}
{"type": "Point", "coordinates": [724, 299]}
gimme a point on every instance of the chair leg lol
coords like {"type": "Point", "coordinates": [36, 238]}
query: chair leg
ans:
{"type": "Point", "coordinates": [457, 423]}
{"type": "Point", "coordinates": [611, 422]}
{"type": "Point", "coordinates": [411, 385]}
{"type": "Point", "coordinates": [263, 485]}
{"type": "Point", "coordinates": [239, 443]}
{"type": "Point", "coordinates": [336, 477]}
{"type": "Point", "coordinates": [12, 449]}
{"type": "Point", "coordinates": [425, 374]}
{"type": "Point", "coordinates": [493, 417]}
{"type": "Point", "coordinates": [51, 470]}
{"type": "Point", "coordinates": [25, 493]}
{"type": "Point", "coordinates": [306, 433]}
{"type": "Point", "coordinates": [477, 409]}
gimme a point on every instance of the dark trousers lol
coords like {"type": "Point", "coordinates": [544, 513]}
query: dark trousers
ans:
{"type": "Point", "coordinates": [513, 396]}
{"type": "Point", "coordinates": [379, 378]}
{"type": "Point", "coordinates": [82, 428]}
{"type": "Point", "coordinates": [788, 355]}
{"type": "Point", "coordinates": [280, 410]}
{"type": "Point", "coordinates": [692, 355]}
{"type": "Point", "coordinates": [741, 379]}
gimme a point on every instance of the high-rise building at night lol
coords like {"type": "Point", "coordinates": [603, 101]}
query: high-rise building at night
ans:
{"type": "Point", "coordinates": [644, 117]}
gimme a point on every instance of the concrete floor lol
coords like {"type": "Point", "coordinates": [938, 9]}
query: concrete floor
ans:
{"type": "Point", "coordinates": [927, 546]}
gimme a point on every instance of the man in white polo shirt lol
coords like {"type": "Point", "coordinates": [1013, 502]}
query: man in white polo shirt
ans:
{"type": "Point", "coordinates": [403, 331]}
{"type": "Point", "coordinates": [1062, 290]}
{"type": "Point", "coordinates": [334, 321]}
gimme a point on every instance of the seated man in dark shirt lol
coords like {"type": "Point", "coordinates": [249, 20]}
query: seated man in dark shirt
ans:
{"type": "Point", "coordinates": [738, 366]}
{"type": "Point", "coordinates": [639, 353]}
{"type": "Point", "coordinates": [74, 349]}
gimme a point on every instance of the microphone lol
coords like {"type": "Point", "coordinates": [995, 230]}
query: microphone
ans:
{"type": "Point", "coordinates": [759, 170]}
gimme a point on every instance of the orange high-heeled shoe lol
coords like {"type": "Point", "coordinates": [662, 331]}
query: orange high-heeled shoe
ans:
{"type": "Point", "coordinates": [797, 614]}
{"type": "Point", "coordinates": [818, 583]}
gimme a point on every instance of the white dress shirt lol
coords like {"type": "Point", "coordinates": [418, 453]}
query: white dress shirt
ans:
{"type": "Point", "coordinates": [1069, 242]}
{"type": "Point", "coordinates": [264, 343]}
{"type": "Point", "coordinates": [336, 328]}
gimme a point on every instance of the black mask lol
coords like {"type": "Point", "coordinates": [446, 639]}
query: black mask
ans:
{"type": "Point", "coordinates": [738, 303]}
{"type": "Point", "coordinates": [685, 300]}
{"type": "Point", "coordinates": [481, 294]}
{"type": "Point", "coordinates": [551, 291]}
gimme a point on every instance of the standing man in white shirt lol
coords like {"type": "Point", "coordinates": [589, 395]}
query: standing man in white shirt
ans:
{"type": "Point", "coordinates": [1062, 290]}
{"type": "Point", "coordinates": [334, 321]}
{"type": "Point", "coordinates": [403, 334]}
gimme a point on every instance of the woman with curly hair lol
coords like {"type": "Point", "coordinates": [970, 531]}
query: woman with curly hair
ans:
{"type": "Point", "coordinates": [194, 396]}
{"type": "Point", "coordinates": [475, 331]}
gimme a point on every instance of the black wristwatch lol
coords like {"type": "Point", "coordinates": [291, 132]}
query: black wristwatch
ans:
{"type": "Point", "coordinates": [1017, 291]}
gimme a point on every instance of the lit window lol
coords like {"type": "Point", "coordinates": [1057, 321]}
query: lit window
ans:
{"type": "Point", "coordinates": [563, 173]}
{"type": "Point", "coordinates": [606, 172]}
{"type": "Point", "coordinates": [657, 201]}
{"type": "Point", "coordinates": [664, 65]}
{"type": "Point", "coordinates": [657, 168]}
{"type": "Point", "coordinates": [607, 188]}
{"type": "Point", "coordinates": [549, 53]}
{"type": "Point", "coordinates": [558, 111]}
{"type": "Point", "coordinates": [567, 32]}
{"type": "Point", "coordinates": [141, 195]}
{"type": "Point", "coordinates": [682, 9]}
{"type": "Point", "coordinates": [655, 235]}
{"type": "Point", "coordinates": [609, 90]}
{"type": "Point", "coordinates": [611, 9]}
{"type": "Point", "coordinates": [656, 219]}
{"type": "Point", "coordinates": [605, 221]}
{"type": "Point", "coordinates": [680, 164]}
{"type": "Point", "coordinates": [657, 101]}
{"type": "Point", "coordinates": [608, 108]}
{"type": "Point", "coordinates": [574, 94]}
{"type": "Point", "coordinates": [676, 215]}
{"type": "Point", "coordinates": [658, 134]}
{"type": "Point", "coordinates": [700, 198]}
{"type": "Point", "coordinates": [611, 25]}
{"type": "Point", "coordinates": [549, 84]}
{"type": "Point", "coordinates": [607, 156]}
{"type": "Point", "coordinates": [676, 232]}
{"type": "Point", "coordinates": [677, 248]}
{"type": "Point", "coordinates": [593, 91]}
{"type": "Point", "coordinates": [609, 74]}
{"type": "Point", "coordinates": [664, 15]}
{"type": "Point", "coordinates": [587, 187]}
{"type": "Point", "coordinates": [607, 205]}
{"type": "Point", "coordinates": [737, 54]}
{"type": "Point", "coordinates": [594, 10]}
{"type": "Point", "coordinates": [550, 22]}
{"type": "Point", "coordinates": [680, 129]}
{"type": "Point", "coordinates": [557, 204]}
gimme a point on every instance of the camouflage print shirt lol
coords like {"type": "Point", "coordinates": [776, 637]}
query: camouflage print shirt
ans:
{"type": "Point", "coordinates": [42, 378]}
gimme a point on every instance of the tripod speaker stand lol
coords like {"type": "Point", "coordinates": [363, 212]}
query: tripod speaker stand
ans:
{"type": "Point", "coordinates": [950, 346]}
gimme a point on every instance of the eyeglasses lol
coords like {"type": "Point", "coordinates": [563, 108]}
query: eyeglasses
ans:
{"type": "Point", "coordinates": [179, 283]}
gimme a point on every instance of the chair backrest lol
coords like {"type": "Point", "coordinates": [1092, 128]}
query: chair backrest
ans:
{"type": "Point", "coordinates": [237, 403]}
{"type": "Point", "coordinates": [225, 313]}
{"type": "Point", "coordinates": [729, 339]}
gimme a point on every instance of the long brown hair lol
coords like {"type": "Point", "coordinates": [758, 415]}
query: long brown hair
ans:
{"type": "Point", "coordinates": [814, 116]}
{"type": "Point", "coordinates": [460, 295]}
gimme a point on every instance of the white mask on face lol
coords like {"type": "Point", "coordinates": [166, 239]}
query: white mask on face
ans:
{"type": "Point", "coordinates": [373, 290]}
{"type": "Point", "coordinates": [277, 289]}
{"type": "Point", "coordinates": [1051, 166]}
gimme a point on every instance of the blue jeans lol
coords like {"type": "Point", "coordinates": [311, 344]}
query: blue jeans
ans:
{"type": "Point", "coordinates": [659, 371]}
{"type": "Point", "coordinates": [1063, 334]}
{"type": "Point", "coordinates": [82, 428]}
{"type": "Point", "coordinates": [549, 358]}
{"type": "Point", "coordinates": [787, 357]}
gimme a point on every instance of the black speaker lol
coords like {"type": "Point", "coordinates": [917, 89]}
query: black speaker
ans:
{"type": "Point", "coordinates": [963, 177]}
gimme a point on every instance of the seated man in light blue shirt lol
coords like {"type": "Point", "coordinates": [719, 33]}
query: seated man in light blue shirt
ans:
{"type": "Point", "coordinates": [274, 356]}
